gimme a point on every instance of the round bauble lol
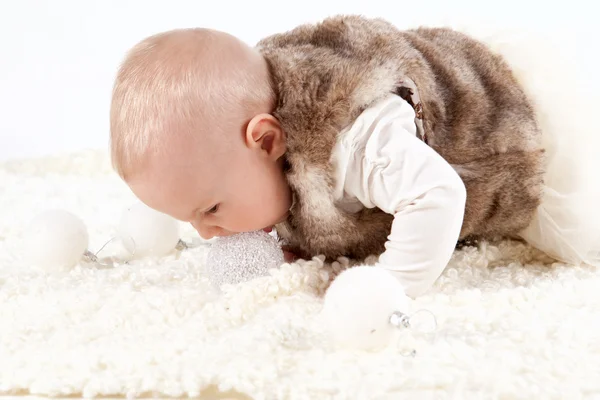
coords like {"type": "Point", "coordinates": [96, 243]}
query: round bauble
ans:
{"type": "Point", "coordinates": [55, 239]}
{"type": "Point", "coordinates": [147, 232]}
{"type": "Point", "coordinates": [242, 257]}
{"type": "Point", "coordinates": [358, 305]}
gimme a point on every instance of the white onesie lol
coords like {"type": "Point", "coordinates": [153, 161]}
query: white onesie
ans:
{"type": "Point", "coordinates": [381, 163]}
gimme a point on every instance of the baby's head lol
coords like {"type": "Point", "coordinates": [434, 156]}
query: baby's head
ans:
{"type": "Point", "coordinates": [192, 132]}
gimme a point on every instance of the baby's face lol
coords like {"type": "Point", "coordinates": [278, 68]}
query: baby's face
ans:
{"type": "Point", "coordinates": [240, 189]}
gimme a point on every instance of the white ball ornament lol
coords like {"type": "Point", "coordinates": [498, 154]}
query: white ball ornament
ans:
{"type": "Point", "coordinates": [54, 240]}
{"type": "Point", "coordinates": [147, 232]}
{"type": "Point", "coordinates": [242, 257]}
{"type": "Point", "coordinates": [360, 306]}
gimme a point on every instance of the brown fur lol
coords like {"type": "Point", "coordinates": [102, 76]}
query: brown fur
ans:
{"type": "Point", "coordinates": [474, 113]}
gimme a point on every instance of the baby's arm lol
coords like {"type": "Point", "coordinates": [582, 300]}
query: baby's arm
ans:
{"type": "Point", "coordinates": [403, 176]}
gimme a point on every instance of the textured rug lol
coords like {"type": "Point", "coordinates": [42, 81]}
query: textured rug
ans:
{"type": "Point", "coordinates": [510, 323]}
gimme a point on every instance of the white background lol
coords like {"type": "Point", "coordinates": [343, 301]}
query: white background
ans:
{"type": "Point", "coordinates": [58, 58]}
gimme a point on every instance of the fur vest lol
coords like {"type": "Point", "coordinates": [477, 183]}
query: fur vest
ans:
{"type": "Point", "coordinates": [469, 107]}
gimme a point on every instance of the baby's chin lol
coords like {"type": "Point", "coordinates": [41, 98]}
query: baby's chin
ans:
{"type": "Point", "coordinates": [269, 229]}
{"type": "Point", "coordinates": [282, 219]}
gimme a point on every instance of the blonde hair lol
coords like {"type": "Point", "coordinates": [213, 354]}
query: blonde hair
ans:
{"type": "Point", "coordinates": [186, 81]}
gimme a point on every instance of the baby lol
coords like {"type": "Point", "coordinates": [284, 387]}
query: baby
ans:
{"type": "Point", "coordinates": [350, 137]}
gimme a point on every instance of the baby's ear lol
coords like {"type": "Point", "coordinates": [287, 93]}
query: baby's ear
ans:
{"type": "Point", "coordinates": [264, 133]}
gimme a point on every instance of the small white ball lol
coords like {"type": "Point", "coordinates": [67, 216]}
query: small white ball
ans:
{"type": "Point", "coordinates": [147, 232]}
{"type": "Point", "coordinates": [358, 305]}
{"type": "Point", "coordinates": [242, 257]}
{"type": "Point", "coordinates": [54, 240]}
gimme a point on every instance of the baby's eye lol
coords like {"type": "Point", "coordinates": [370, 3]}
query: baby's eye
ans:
{"type": "Point", "coordinates": [214, 209]}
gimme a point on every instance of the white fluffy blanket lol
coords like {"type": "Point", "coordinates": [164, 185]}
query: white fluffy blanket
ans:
{"type": "Point", "coordinates": [511, 325]}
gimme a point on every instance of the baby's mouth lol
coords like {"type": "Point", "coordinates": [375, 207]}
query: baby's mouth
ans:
{"type": "Point", "coordinates": [268, 230]}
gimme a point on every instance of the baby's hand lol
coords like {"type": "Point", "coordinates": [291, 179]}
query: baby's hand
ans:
{"type": "Point", "coordinates": [289, 255]}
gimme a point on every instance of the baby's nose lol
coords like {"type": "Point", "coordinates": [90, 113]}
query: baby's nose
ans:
{"type": "Point", "coordinates": [206, 232]}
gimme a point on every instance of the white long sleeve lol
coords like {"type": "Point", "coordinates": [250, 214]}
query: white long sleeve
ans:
{"type": "Point", "coordinates": [381, 163]}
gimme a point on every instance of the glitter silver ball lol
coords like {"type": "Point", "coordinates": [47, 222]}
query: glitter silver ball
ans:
{"type": "Point", "coordinates": [242, 257]}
